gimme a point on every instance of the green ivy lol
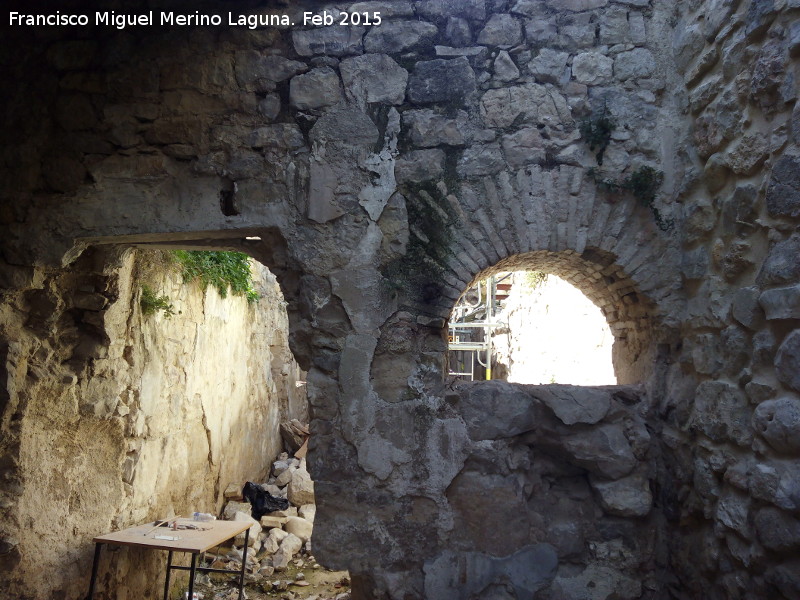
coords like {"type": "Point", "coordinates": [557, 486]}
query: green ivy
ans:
{"type": "Point", "coordinates": [421, 269]}
{"type": "Point", "coordinates": [151, 303]}
{"type": "Point", "coordinates": [643, 183]}
{"type": "Point", "coordinates": [596, 130]}
{"type": "Point", "coordinates": [223, 270]}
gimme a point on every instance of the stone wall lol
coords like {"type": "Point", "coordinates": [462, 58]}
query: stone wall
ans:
{"type": "Point", "coordinates": [384, 169]}
{"type": "Point", "coordinates": [733, 388]}
{"type": "Point", "coordinates": [554, 497]}
{"type": "Point", "coordinates": [126, 417]}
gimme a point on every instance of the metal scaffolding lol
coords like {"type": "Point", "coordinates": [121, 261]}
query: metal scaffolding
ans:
{"type": "Point", "coordinates": [471, 327]}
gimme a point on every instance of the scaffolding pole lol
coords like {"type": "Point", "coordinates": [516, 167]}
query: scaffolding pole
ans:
{"type": "Point", "coordinates": [483, 311]}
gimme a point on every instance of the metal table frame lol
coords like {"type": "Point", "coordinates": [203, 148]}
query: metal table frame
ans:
{"type": "Point", "coordinates": [127, 537]}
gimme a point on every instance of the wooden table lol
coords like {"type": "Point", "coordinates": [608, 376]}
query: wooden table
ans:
{"type": "Point", "coordinates": [194, 541]}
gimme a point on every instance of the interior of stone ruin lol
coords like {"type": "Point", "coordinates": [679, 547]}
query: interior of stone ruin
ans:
{"type": "Point", "coordinates": [374, 160]}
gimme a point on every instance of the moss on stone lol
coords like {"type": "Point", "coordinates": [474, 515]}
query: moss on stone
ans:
{"type": "Point", "coordinates": [430, 220]}
{"type": "Point", "coordinates": [643, 184]}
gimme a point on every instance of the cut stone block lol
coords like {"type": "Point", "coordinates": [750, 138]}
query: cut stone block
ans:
{"type": "Point", "coordinates": [268, 521]}
{"type": "Point", "coordinates": [300, 527]}
{"type": "Point", "coordinates": [233, 507]}
{"type": "Point", "coordinates": [301, 488]}
{"type": "Point", "coordinates": [233, 492]}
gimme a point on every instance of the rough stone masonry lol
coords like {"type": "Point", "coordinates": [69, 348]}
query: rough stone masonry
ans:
{"type": "Point", "coordinates": [384, 168]}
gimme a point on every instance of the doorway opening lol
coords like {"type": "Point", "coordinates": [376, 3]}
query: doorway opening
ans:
{"type": "Point", "coordinates": [235, 396]}
{"type": "Point", "coordinates": [158, 404]}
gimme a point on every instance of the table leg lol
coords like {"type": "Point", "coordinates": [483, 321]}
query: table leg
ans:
{"type": "Point", "coordinates": [169, 572]}
{"type": "Point", "coordinates": [192, 573]}
{"type": "Point", "coordinates": [95, 564]}
{"type": "Point", "coordinates": [244, 562]}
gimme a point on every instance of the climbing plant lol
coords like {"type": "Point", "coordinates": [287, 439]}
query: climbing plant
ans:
{"type": "Point", "coordinates": [421, 269]}
{"type": "Point", "coordinates": [223, 270]}
{"type": "Point", "coordinates": [596, 130]}
{"type": "Point", "coordinates": [150, 302]}
{"type": "Point", "coordinates": [643, 183]}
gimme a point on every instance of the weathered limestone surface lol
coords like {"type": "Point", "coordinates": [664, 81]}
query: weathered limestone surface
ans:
{"type": "Point", "coordinates": [140, 417]}
{"type": "Point", "coordinates": [742, 398]}
{"type": "Point", "coordinates": [383, 169]}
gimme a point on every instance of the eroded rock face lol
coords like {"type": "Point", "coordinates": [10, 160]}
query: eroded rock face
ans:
{"type": "Point", "coordinates": [626, 497]}
{"type": "Point", "coordinates": [778, 421]}
{"type": "Point", "coordinates": [528, 570]}
{"type": "Point", "coordinates": [151, 416]}
{"type": "Point", "coordinates": [786, 360]}
{"type": "Point", "coordinates": [577, 439]}
{"type": "Point", "coordinates": [721, 413]}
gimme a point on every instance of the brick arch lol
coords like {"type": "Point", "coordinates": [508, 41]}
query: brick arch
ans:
{"type": "Point", "coordinates": [552, 219]}
{"type": "Point", "coordinates": [630, 314]}
{"type": "Point", "coordinates": [486, 221]}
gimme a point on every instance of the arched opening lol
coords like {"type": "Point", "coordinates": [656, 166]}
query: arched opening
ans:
{"type": "Point", "coordinates": [481, 320]}
{"type": "Point", "coordinates": [530, 327]}
{"type": "Point", "coordinates": [555, 469]}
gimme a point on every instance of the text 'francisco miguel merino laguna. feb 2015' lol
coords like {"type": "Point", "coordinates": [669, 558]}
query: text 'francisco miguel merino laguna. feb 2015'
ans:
{"type": "Point", "coordinates": [173, 19]}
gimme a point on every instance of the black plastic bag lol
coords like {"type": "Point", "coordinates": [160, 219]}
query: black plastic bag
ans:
{"type": "Point", "coordinates": [262, 501]}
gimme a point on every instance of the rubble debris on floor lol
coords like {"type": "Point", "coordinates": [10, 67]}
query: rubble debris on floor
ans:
{"type": "Point", "coordinates": [279, 559]}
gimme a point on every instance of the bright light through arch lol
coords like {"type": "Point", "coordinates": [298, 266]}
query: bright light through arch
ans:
{"type": "Point", "coordinates": [544, 330]}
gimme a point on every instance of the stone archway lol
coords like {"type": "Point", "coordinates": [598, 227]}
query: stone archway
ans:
{"type": "Point", "coordinates": [118, 415]}
{"type": "Point", "coordinates": [631, 316]}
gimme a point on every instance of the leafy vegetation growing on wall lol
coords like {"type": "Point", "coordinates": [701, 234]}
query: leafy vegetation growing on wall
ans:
{"type": "Point", "coordinates": [643, 183]}
{"type": "Point", "coordinates": [223, 270]}
{"type": "Point", "coordinates": [420, 271]}
{"type": "Point", "coordinates": [151, 303]}
{"type": "Point", "coordinates": [596, 130]}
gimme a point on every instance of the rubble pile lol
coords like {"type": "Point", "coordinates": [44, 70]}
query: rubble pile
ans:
{"type": "Point", "coordinates": [280, 540]}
